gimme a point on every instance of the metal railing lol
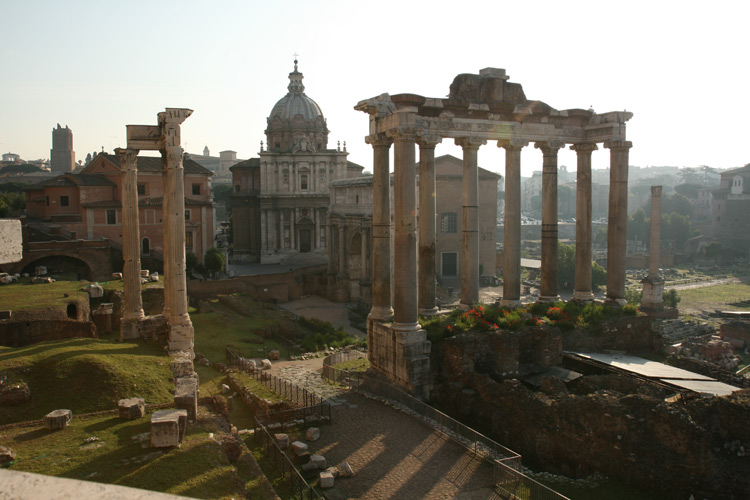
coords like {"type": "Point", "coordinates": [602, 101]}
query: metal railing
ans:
{"type": "Point", "coordinates": [317, 414]}
{"type": "Point", "coordinates": [467, 437]}
{"type": "Point", "coordinates": [514, 485]}
{"type": "Point", "coordinates": [346, 378]}
{"type": "Point", "coordinates": [299, 488]}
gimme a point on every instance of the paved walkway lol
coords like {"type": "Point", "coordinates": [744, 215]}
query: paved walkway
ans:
{"type": "Point", "coordinates": [394, 456]}
{"type": "Point", "coordinates": [323, 309]}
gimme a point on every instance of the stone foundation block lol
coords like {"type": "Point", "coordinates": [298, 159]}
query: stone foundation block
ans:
{"type": "Point", "coordinates": [186, 396]}
{"type": "Point", "coordinates": [265, 364]}
{"type": "Point", "coordinates": [181, 364]}
{"type": "Point", "coordinates": [274, 355]}
{"type": "Point", "coordinates": [58, 419]}
{"type": "Point", "coordinates": [312, 434]}
{"type": "Point", "coordinates": [319, 461]}
{"type": "Point", "coordinates": [131, 408]}
{"type": "Point", "coordinates": [282, 440]}
{"type": "Point", "coordinates": [168, 428]}
{"type": "Point", "coordinates": [326, 480]}
{"type": "Point", "coordinates": [299, 447]}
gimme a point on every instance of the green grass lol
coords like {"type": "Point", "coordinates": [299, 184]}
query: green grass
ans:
{"type": "Point", "coordinates": [24, 296]}
{"type": "Point", "coordinates": [358, 365]}
{"type": "Point", "coordinates": [221, 326]}
{"type": "Point", "coordinates": [84, 375]}
{"type": "Point", "coordinates": [197, 469]}
{"type": "Point", "coordinates": [715, 297]}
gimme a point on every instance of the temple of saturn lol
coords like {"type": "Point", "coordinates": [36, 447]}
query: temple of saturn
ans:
{"type": "Point", "coordinates": [165, 138]}
{"type": "Point", "coordinates": [480, 108]}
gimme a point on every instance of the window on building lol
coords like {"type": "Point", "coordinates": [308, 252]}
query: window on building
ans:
{"type": "Point", "coordinates": [46, 200]}
{"type": "Point", "coordinates": [448, 222]}
{"type": "Point", "coordinates": [189, 241]}
{"type": "Point", "coordinates": [450, 264]}
{"type": "Point", "coordinates": [196, 189]}
{"type": "Point", "coordinates": [322, 235]}
{"type": "Point", "coordinates": [187, 214]}
{"type": "Point", "coordinates": [303, 182]}
{"type": "Point", "coordinates": [64, 201]}
{"type": "Point", "coordinates": [146, 247]}
{"type": "Point", "coordinates": [237, 188]}
{"type": "Point", "coordinates": [141, 190]}
{"type": "Point", "coordinates": [111, 216]}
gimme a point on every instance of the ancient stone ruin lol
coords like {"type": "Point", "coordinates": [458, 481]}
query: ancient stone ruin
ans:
{"type": "Point", "coordinates": [480, 108]}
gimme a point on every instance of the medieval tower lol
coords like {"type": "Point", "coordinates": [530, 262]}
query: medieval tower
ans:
{"type": "Point", "coordinates": [62, 156]}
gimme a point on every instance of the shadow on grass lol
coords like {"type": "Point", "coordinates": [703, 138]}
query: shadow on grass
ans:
{"type": "Point", "coordinates": [31, 435]}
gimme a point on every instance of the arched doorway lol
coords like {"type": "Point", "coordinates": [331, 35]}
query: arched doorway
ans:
{"type": "Point", "coordinates": [146, 247]}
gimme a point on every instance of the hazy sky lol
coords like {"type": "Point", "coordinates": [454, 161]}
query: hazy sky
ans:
{"type": "Point", "coordinates": [681, 67]}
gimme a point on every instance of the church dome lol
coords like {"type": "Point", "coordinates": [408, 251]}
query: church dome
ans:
{"type": "Point", "coordinates": [296, 116]}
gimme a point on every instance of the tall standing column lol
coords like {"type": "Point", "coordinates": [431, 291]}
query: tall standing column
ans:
{"type": "Point", "coordinates": [512, 228]}
{"type": "Point", "coordinates": [381, 229]}
{"type": "Point", "coordinates": [652, 299]}
{"type": "Point", "coordinates": [427, 239]}
{"type": "Point", "coordinates": [618, 220]}
{"type": "Point", "coordinates": [342, 291]}
{"type": "Point", "coordinates": [548, 292]}
{"type": "Point", "coordinates": [131, 247]}
{"type": "Point", "coordinates": [469, 222]}
{"type": "Point", "coordinates": [583, 287]}
{"type": "Point", "coordinates": [405, 237]}
{"type": "Point", "coordinates": [175, 285]}
{"type": "Point", "coordinates": [167, 243]}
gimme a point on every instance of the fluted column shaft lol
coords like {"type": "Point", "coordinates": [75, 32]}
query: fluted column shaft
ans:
{"type": "Point", "coordinates": [167, 243]}
{"type": "Point", "coordinates": [618, 220]}
{"type": "Point", "coordinates": [131, 247]}
{"type": "Point", "coordinates": [381, 230]}
{"type": "Point", "coordinates": [512, 228]}
{"type": "Point", "coordinates": [469, 222]}
{"type": "Point", "coordinates": [548, 292]}
{"type": "Point", "coordinates": [175, 285]}
{"type": "Point", "coordinates": [405, 235]}
{"type": "Point", "coordinates": [583, 286]}
{"type": "Point", "coordinates": [655, 235]}
{"type": "Point", "coordinates": [427, 229]}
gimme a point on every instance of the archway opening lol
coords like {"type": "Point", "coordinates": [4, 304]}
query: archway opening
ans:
{"type": "Point", "coordinates": [72, 311]}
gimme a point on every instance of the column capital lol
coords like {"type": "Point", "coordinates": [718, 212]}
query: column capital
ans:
{"type": "Point", "coordinates": [470, 142]}
{"type": "Point", "coordinates": [128, 157]}
{"type": "Point", "coordinates": [402, 134]}
{"type": "Point", "coordinates": [655, 190]}
{"type": "Point", "coordinates": [428, 141]}
{"type": "Point", "coordinates": [174, 116]}
{"type": "Point", "coordinates": [549, 148]}
{"type": "Point", "coordinates": [618, 145]}
{"type": "Point", "coordinates": [584, 147]}
{"type": "Point", "coordinates": [379, 139]}
{"type": "Point", "coordinates": [512, 144]}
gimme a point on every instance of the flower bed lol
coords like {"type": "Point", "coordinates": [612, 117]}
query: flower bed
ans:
{"type": "Point", "coordinates": [491, 318]}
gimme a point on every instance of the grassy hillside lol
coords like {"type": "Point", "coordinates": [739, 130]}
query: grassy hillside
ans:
{"type": "Point", "coordinates": [84, 375]}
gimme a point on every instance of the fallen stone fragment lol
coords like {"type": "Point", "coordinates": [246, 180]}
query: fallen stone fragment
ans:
{"type": "Point", "coordinates": [346, 469]}
{"type": "Point", "coordinates": [282, 440]}
{"type": "Point", "coordinates": [326, 480]}
{"type": "Point", "coordinates": [299, 447]}
{"type": "Point", "coordinates": [131, 408]}
{"type": "Point", "coordinates": [313, 434]}
{"type": "Point", "coordinates": [58, 419]}
{"type": "Point", "coordinates": [319, 461]}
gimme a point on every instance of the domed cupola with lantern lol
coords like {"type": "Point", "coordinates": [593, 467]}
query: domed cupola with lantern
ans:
{"type": "Point", "coordinates": [296, 121]}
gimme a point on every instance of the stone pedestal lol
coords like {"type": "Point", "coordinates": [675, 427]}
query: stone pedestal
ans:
{"type": "Point", "coordinates": [58, 419]}
{"type": "Point", "coordinates": [403, 357]}
{"type": "Point", "coordinates": [168, 428]}
{"type": "Point", "coordinates": [653, 294]}
{"type": "Point", "coordinates": [131, 408]}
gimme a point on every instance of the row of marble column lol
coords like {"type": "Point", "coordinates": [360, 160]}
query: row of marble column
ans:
{"type": "Point", "coordinates": [414, 285]}
{"type": "Point", "coordinates": [272, 226]}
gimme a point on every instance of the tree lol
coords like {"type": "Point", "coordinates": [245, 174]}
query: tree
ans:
{"type": "Point", "coordinates": [214, 261]}
{"type": "Point", "coordinates": [191, 263]}
{"type": "Point", "coordinates": [671, 299]}
{"type": "Point", "coordinates": [638, 227]}
{"type": "Point", "coordinates": [566, 269]}
{"type": "Point", "coordinates": [713, 251]}
{"type": "Point", "coordinates": [688, 190]}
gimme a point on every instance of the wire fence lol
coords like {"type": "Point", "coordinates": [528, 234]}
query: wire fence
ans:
{"type": "Point", "coordinates": [288, 473]}
{"type": "Point", "coordinates": [513, 484]}
{"type": "Point", "coordinates": [346, 378]}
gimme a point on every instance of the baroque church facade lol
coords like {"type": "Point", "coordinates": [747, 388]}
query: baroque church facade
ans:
{"type": "Point", "coordinates": [280, 200]}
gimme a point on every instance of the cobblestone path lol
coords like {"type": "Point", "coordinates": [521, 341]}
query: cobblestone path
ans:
{"type": "Point", "coordinates": [394, 456]}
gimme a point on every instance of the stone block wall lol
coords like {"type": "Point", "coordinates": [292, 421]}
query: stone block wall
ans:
{"type": "Point", "coordinates": [402, 357]}
{"type": "Point", "coordinates": [739, 330]}
{"type": "Point", "coordinates": [21, 333]}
